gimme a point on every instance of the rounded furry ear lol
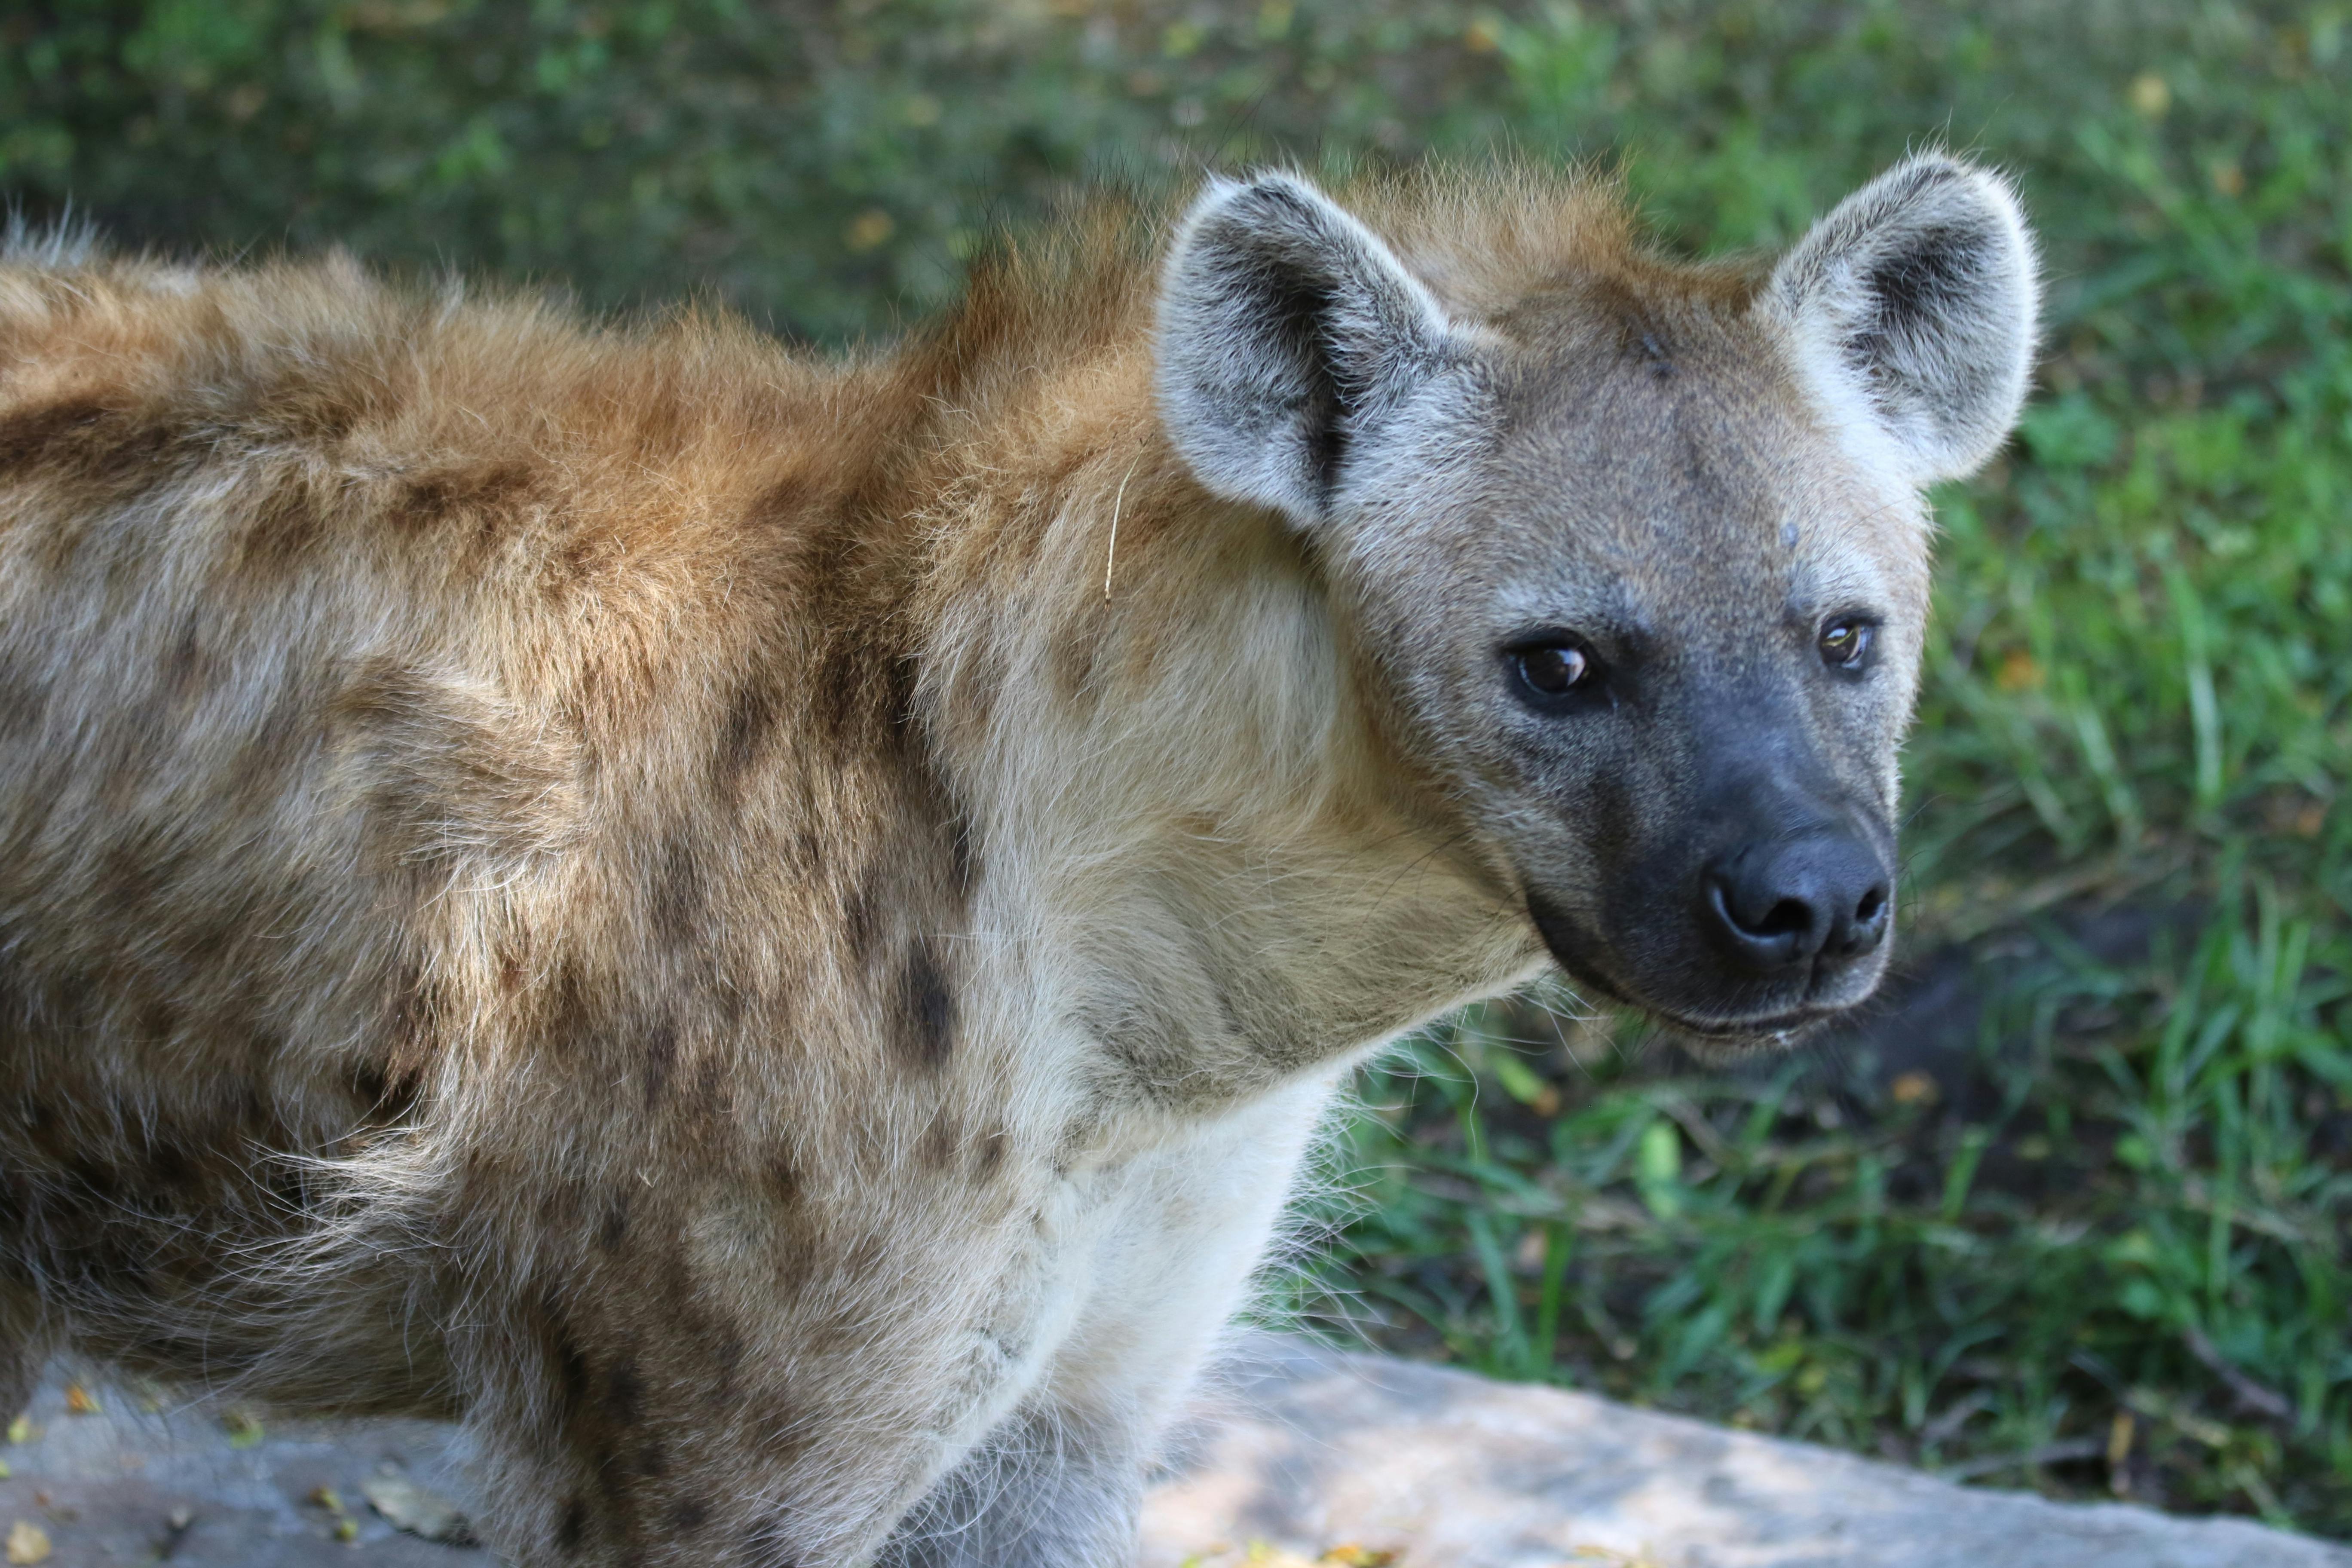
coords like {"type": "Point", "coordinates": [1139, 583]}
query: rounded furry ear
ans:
{"type": "Point", "coordinates": [1287, 333]}
{"type": "Point", "coordinates": [1911, 310]}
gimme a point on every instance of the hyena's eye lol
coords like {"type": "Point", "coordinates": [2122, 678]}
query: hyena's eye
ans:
{"type": "Point", "coordinates": [1845, 642]}
{"type": "Point", "coordinates": [1553, 668]}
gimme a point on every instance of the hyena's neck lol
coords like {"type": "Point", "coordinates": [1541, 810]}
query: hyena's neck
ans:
{"type": "Point", "coordinates": [1200, 846]}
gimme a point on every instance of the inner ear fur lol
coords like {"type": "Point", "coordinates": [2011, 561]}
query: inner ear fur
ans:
{"type": "Point", "coordinates": [1911, 309]}
{"type": "Point", "coordinates": [1287, 332]}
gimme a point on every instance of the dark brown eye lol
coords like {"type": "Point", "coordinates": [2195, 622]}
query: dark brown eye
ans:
{"type": "Point", "coordinates": [1845, 642]}
{"type": "Point", "coordinates": [1554, 669]}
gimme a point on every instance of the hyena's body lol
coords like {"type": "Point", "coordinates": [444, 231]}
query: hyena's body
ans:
{"type": "Point", "coordinates": [771, 934]}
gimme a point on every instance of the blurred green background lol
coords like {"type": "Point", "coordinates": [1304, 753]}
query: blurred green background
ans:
{"type": "Point", "coordinates": [2072, 1209]}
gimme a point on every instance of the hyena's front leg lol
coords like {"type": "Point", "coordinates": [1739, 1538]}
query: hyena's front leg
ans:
{"type": "Point", "coordinates": [699, 1390]}
{"type": "Point", "coordinates": [1059, 1483]}
{"type": "Point", "coordinates": [1045, 1490]}
{"type": "Point", "coordinates": [640, 1427]}
{"type": "Point", "coordinates": [24, 1342]}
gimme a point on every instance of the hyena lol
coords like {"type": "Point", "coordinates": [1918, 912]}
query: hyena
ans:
{"type": "Point", "coordinates": [770, 932]}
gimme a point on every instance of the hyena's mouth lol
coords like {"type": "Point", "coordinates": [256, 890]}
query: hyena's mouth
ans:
{"type": "Point", "coordinates": [1717, 1031]}
{"type": "Point", "coordinates": [1747, 1036]}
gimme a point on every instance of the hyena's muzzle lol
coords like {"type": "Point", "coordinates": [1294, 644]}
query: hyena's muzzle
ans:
{"type": "Point", "coordinates": [1748, 886]}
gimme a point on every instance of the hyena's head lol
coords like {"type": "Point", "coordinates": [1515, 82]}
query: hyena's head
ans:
{"type": "Point", "coordinates": [1634, 557]}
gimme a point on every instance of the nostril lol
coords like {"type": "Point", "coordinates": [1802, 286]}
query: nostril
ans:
{"type": "Point", "coordinates": [1785, 932]}
{"type": "Point", "coordinates": [1872, 903]}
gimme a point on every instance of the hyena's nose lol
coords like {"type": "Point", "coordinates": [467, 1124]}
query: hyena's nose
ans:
{"type": "Point", "coordinates": [1775, 905]}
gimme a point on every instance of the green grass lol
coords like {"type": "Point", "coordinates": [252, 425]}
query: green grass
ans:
{"type": "Point", "coordinates": [2084, 1229]}
{"type": "Point", "coordinates": [2103, 1247]}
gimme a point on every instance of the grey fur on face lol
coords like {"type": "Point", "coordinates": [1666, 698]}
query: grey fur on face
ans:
{"type": "Point", "coordinates": [1704, 506]}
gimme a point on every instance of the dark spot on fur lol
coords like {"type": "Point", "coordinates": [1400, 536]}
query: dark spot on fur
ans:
{"type": "Point", "coordinates": [159, 1021]}
{"type": "Point", "coordinates": [33, 435]}
{"type": "Point", "coordinates": [783, 1179]}
{"type": "Point", "coordinates": [963, 846]}
{"type": "Point", "coordinates": [570, 1363]}
{"type": "Point", "coordinates": [938, 1149]}
{"type": "Point", "coordinates": [624, 1392]}
{"type": "Point", "coordinates": [559, 1204]}
{"type": "Point", "coordinates": [415, 1021]}
{"type": "Point", "coordinates": [727, 1356]}
{"type": "Point", "coordinates": [24, 703]}
{"type": "Point", "coordinates": [324, 411]}
{"type": "Point", "coordinates": [613, 1480]}
{"type": "Point", "coordinates": [188, 670]}
{"type": "Point", "coordinates": [661, 1058]}
{"type": "Point", "coordinates": [925, 1006]}
{"type": "Point", "coordinates": [208, 944]}
{"type": "Point", "coordinates": [689, 1513]}
{"type": "Point", "coordinates": [571, 1529]}
{"type": "Point", "coordinates": [652, 1461]}
{"type": "Point", "coordinates": [678, 891]}
{"type": "Point", "coordinates": [172, 1167]}
{"type": "Point", "coordinates": [1073, 653]}
{"type": "Point", "coordinates": [289, 522]}
{"type": "Point", "coordinates": [990, 1157]}
{"type": "Point", "coordinates": [708, 1096]}
{"type": "Point", "coordinates": [85, 439]}
{"type": "Point", "coordinates": [272, 750]}
{"type": "Point", "coordinates": [855, 698]}
{"type": "Point", "coordinates": [133, 878]}
{"type": "Point", "coordinates": [462, 491]}
{"type": "Point", "coordinates": [615, 1226]}
{"type": "Point", "coordinates": [861, 922]}
{"type": "Point", "coordinates": [368, 1085]}
{"type": "Point", "coordinates": [751, 720]}
{"type": "Point", "coordinates": [570, 1017]}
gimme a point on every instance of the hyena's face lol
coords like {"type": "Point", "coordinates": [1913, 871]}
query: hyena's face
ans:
{"type": "Point", "coordinates": [1643, 572]}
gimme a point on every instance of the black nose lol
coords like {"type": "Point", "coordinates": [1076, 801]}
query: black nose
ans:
{"type": "Point", "coordinates": [1779, 904]}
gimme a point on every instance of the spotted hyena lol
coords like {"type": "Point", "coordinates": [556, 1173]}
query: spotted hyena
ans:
{"type": "Point", "coordinates": [769, 933]}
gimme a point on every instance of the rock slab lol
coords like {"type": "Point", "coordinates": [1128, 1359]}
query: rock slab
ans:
{"type": "Point", "coordinates": [1302, 1449]}
{"type": "Point", "coordinates": [1320, 1449]}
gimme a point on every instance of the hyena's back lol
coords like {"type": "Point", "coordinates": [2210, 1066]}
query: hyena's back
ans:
{"type": "Point", "coordinates": [375, 673]}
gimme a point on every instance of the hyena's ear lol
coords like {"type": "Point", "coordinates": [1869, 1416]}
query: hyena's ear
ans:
{"type": "Point", "coordinates": [1288, 334]}
{"type": "Point", "coordinates": [1911, 309]}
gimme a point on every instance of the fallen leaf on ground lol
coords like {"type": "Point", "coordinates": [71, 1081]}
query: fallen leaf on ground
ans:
{"type": "Point", "coordinates": [1262, 1555]}
{"type": "Point", "coordinates": [407, 1506]}
{"type": "Point", "coordinates": [21, 1430]}
{"type": "Point", "coordinates": [1350, 1555]}
{"type": "Point", "coordinates": [79, 1402]}
{"type": "Point", "coordinates": [244, 1428]}
{"type": "Point", "coordinates": [27, 1542]}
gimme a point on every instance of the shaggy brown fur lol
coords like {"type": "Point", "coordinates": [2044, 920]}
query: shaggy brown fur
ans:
{"type": "Point", "coordinates": [756, 928]}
